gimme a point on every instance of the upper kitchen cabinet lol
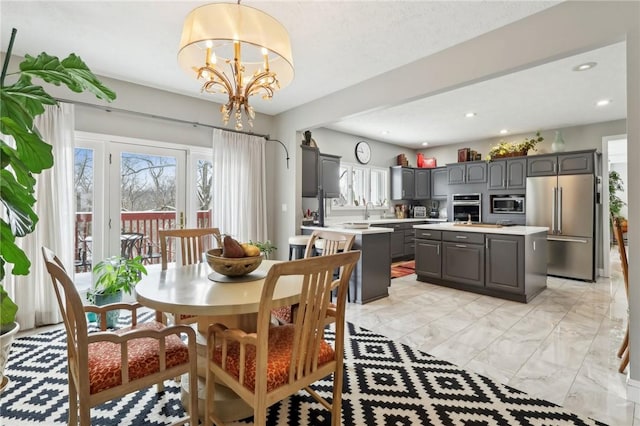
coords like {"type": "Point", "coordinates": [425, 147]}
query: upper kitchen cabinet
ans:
{"type": "Point", "coordinates": [439, 183]}
{"type": "Point", "coordinates": [472, 172]}
{"type": "Point", "coordinates": [507, 174]}
{"type": "Point", "coordinates": [422, 181]}
{"type": "Point", "coordinates": [320, 171]}
{"type": "Point", "coordinates": [571, 163]}
{"type": "Point", "coordinates": [309, 171]}
{"type": "Point", "coordinates": [402, 183]}
{"type": "Point", "coordinates": [329, 175]}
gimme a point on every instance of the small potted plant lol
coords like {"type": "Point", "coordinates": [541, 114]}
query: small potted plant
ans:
{"type": "Point", "coordinates": [115, 275]}
{"type": "Point", "coordinates": [615, 202]}
{"type": "Point", "coordinates": [265, 247]}
{"type": "Point", "coordinates": [513, 149]}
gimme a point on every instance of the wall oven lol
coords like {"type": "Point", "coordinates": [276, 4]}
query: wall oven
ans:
{"type": "Point", "coordinates": [467, 207]}
{"type": "Point", "coordinates": [512, 204]}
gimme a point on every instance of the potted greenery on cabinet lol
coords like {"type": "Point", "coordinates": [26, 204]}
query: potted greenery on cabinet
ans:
{"type": "Point", "coordinates": [615, 202]}
{"type": "Point", "coordinates": [26, 156]}
{"type": "Point", "coordinates": [115, 275]}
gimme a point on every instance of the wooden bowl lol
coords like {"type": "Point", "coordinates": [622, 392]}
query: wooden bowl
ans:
{"type": "Point", "coordinates": [232, 266]}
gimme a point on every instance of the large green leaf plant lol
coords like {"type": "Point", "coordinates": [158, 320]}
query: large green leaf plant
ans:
{"type": "Point", "coordinates": [20, 103]}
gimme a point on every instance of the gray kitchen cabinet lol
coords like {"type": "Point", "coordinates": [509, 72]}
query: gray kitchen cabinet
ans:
{"type": "Point", "coordinates": [439, 183]}
{"type": "Point", "coordinates": [570, 163]}
{"type": "Point", "coordinates": [463, 263]}
{"type": "Point", "coordinates": [309, 171]}
{"type": "Point", "coordinates": [402, 183]}
{"type": "Point", "coordinates": [473, 172]}
{"type": "Point", "coordinates": [397, 244]}
{"type": "Point", "coordinates": [504, 262]}
{"type": "Point", "coordinates": [575, 163]}
{"type": "Point", "coordinates": [320, 171]}
{"type": "Point", "coordinates": [422, 184]}
{"type": "Point", "coordinates": [503, 265]}
{"type": "Point", "coordinates": [428, 258]}
{"type": "Point", "coordinates": [507, 174]}
{"type": "Point", "coordinates": [329, 175]}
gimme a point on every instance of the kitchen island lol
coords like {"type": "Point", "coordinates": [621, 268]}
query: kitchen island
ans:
{"type": "Point", "coordinates": [372, 275]}
{"type": "Point", "coordinates": [508, 262]}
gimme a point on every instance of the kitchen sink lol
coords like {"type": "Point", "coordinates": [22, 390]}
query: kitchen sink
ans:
{"type": "Point", "coordinates": [483, 225]}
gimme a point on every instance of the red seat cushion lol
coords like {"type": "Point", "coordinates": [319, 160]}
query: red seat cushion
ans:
{"type": "Point", "coordinates": [280, 348]}
{"type": "Point", "coordinates": [283, 314]}
{"type": "Point", "coordinates": [104, 358]}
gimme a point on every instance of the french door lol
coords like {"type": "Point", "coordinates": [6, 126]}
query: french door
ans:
{"type": "Point", "coordinates": [127, 189]}
{"type": "Point", "coordinates": [147, 192]}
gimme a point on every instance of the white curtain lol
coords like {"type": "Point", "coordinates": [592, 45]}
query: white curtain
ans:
{"type": "Point", "coordinates": [34, 293]}
{"type": "Point", "coordinates": [239, 195]}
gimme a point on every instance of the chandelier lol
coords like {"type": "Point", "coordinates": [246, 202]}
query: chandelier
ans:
{"type": "Point", "coordinates": [236, 50]}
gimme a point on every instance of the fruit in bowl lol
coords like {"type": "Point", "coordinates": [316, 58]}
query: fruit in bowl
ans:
{"type": "Point", "coordinates": [232, 259]}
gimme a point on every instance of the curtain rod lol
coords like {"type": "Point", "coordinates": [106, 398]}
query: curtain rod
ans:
{"type": "Point", "coordinates": [173, 120]}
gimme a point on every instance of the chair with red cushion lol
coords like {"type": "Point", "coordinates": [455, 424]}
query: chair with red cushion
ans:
{"type": "Point", "coordinates": [623, 352]}
{"type": "Point", "coordinates": [272, 363]}
{"type": "Point", "coordinates": [106, 365]}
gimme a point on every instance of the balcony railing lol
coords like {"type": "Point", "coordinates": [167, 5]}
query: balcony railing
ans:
{"type": "Point", "coordinates": [145, 223]}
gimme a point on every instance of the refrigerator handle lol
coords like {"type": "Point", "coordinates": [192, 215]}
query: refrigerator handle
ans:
{"type": "Point", "coordinates": [554, 201]}
{"type": "Point", "coordinates": [560, 211]}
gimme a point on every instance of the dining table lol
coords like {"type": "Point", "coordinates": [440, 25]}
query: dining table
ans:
{"type": "Point", "coordinates": [233, 301]}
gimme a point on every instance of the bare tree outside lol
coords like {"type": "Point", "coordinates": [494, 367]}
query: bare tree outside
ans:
{"type": "Point", "coordinates": [83, 179]}
{"type": "Point", "coordinates": [147, 182]}
{"type": "Point", "coordinates": [204, 182]}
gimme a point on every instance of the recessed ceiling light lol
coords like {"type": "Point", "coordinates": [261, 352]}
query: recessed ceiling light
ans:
{"type": "Point", "coordinates": [603, 102]}
{"type": "Point", "coordinates": [585, 66]}
{"type": "Point", "coordinates": [470, 114]}
{"type": "Point", "coordinates": [425, 143]}
{"type": "Point", "coordinates": [504, 131]}
{"type": "Point", "coordinates": [385, 132]}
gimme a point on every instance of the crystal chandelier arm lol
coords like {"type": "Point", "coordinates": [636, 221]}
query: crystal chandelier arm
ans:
{"type": "Point", "coordinates": [265, 81]}
{"type": "Point", "coordinates": [222, 80]}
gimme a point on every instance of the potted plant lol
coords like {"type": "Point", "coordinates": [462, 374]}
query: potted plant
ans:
{"type": "Point", "coordinates": [26, 157]}
{"type": "Point", "coordinates": [615, 203]}
{"type": "Point", "coordinates": [265, 247]}
{"type": "Point", "coordinates": [514, 149]}
{"type": "Point", "coordinates": [115, 275]}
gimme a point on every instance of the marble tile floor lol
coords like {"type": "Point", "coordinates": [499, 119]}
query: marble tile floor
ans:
{"type": "Point", "coordinates": [560, 347]}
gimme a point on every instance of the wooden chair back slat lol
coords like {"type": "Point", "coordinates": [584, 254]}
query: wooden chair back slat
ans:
{"type": "Point", "coordinates": [191, 242]}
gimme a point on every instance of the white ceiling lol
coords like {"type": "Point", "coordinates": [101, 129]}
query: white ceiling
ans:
{"type": "Point", "coordinates": [337, 44]}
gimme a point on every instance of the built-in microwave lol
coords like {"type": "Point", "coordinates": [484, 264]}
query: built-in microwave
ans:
{"type": "Point", "coordinates": [511, 204]}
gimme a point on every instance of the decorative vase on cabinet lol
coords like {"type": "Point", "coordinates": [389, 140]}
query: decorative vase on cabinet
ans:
{"type": "Point", "coordinates": [558, 143]}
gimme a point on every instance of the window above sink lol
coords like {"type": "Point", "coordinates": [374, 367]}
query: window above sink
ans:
{"type": "Point", "coordinates": [360, 185]}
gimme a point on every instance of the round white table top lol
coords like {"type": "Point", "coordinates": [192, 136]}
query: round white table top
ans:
{"type": "Point", "coordinates": [188, 290]}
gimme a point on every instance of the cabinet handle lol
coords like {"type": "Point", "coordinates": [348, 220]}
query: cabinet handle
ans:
{"type": "Point", "coordinates": [461, 237]}
{"type": "Point", "coordinates": [486, 244]}
{"type": "Point", "coordinates": [505, 183]}
{"type": "Point", "coordinates": [438, 249]}
{"type": "Point", "coordinates": [461, 245]}
{"type": "Point", "coordinates": [534, 245]}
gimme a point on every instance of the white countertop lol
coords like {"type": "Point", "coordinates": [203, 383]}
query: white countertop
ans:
{"type": "Point", "coordinates": [413, 219]}
{"type": "Point", "coordinates": [338, 228]}
{"type": "Point", "coordinates": [507, 230]}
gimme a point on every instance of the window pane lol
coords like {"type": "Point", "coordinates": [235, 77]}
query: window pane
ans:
{"type": "Point", "coordinates": [345, 193]}
{"type": "Point", "coordinates": [359, 194]}
{"type": "Point", "coordinates": [379, 187]}
{"type": "Point", "coordinates": [204, 185]}
{"type": "Point", "coordinates": [84, 191]}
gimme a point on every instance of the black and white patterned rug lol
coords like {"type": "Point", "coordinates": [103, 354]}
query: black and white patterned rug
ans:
{"type": "Point", "coordinates": [386, 383]}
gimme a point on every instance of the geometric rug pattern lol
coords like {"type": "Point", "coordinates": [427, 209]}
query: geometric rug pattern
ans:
{"type": "Point", "coordinates": [386, 383]}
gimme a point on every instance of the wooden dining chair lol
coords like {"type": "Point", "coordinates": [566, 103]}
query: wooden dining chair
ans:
{"type": "Point", "coordinates": [623, 352]}
{"type": "Point", "coordinates": [106, 365]}
{"type": "Point", "coordinates": [192, 242]}
{"type": "Point", "coordinates": [272, 363]}
{"type": "Point", "coordinates": [321, 242]}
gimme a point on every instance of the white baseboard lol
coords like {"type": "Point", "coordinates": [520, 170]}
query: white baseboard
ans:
{"type": "Point", "coordinates": [633, 390]}
{"type": "Point", "coordinates": [601, 273]}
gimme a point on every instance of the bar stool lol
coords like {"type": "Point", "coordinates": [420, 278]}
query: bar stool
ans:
{"type": "Point", "coordinates": [298, 244]}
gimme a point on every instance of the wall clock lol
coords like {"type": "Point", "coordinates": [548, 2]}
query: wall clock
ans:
{"type": "Point", "coordinates": [363, 152]}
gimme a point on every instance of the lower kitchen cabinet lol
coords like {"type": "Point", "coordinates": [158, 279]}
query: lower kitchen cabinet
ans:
{"type": "Point", "coordinates": [428, 259]}
{"type": "Point", "coordinates": [463, 263]}
{"type": "Point", "coordinates": [508, 266]}
{"type": "Point", "coordinates": [505, 263]}
{"type": "Point", "coordinates": [397, 244]}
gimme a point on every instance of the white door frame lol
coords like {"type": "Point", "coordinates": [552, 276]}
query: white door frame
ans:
{"type": "Point", "coordinates": [606, 235]}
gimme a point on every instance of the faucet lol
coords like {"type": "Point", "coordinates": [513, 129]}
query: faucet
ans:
{"type": "Point", "coordinates": [469, 220]}
{"type": "Point", "coordinates": [366, 210]}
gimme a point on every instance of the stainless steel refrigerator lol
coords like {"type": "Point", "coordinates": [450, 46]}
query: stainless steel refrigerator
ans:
{"type": "Point", "coordinates": [566, 205]}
